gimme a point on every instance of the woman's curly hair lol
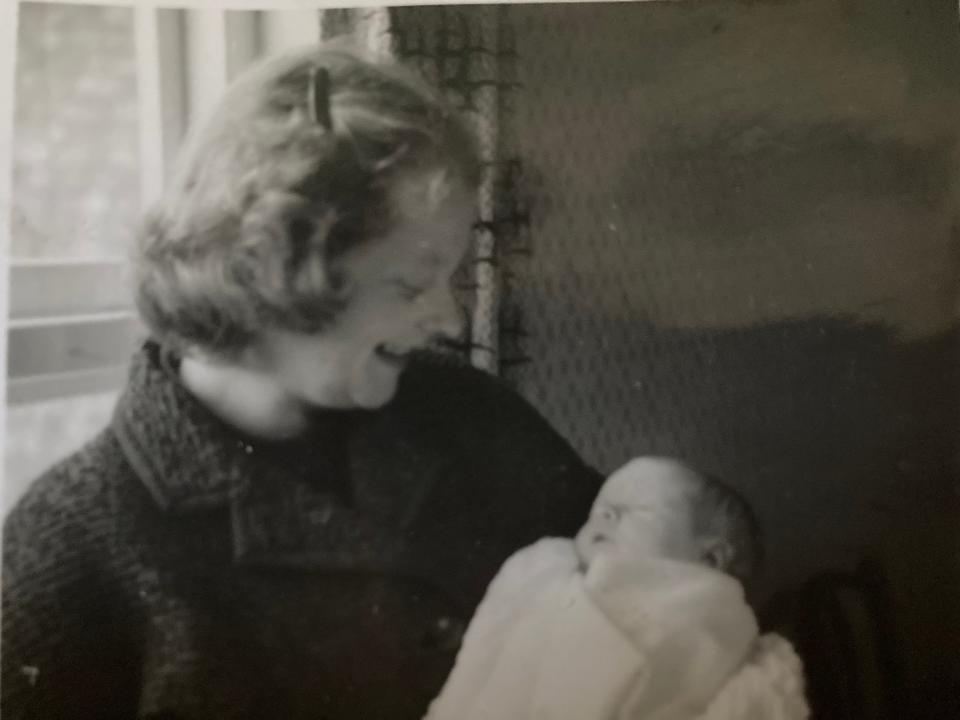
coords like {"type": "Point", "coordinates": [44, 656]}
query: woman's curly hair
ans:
{"type": "Point", "coordinates": [265, 198]}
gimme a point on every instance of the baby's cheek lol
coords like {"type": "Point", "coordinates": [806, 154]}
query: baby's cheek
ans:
{"type": "Point", "coordinates": [583, 545]}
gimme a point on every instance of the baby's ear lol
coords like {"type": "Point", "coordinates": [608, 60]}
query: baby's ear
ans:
{"type": "Point", "coordinates": [716, 553]}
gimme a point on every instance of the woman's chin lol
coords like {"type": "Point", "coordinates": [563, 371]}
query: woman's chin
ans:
{"type": "Point", "coordinates": [376, 392]}
{"type": "Point", "coordinates": [372, 402]}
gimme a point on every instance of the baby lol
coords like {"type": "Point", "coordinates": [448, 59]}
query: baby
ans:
{"type": "Point", "coordinates": [641, 617]}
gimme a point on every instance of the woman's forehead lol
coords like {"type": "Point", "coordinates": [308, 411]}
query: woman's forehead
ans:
{"type": "Point", "coordinates": [428, 242]}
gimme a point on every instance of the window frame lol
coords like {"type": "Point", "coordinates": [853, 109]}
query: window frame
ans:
{"type": "Point", "coordinates": [71, 323]}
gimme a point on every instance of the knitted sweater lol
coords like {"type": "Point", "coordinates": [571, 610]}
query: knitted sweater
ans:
{"type": "Point", "coordinates": [173, 568]}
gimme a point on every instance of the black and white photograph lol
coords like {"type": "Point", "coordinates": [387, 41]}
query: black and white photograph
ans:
{"type": "Point", "coordinates": [550, 361]}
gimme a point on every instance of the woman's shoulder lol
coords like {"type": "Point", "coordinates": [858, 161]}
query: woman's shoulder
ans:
{"type": "Point", "coordinates": [451, 387]}
{"type": "Point", "coordinates": [524, 463]}
{"type": "Point", "coordinates": [74, 491]}
{"type": "Point", "coordinates": [436, 371]}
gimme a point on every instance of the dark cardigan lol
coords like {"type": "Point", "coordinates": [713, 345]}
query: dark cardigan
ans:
{"type": "Point", "coordinates": [173, 568]}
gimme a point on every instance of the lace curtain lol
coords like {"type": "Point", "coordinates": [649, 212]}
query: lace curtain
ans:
{"type": "Point", "coordinates": [469, 52]}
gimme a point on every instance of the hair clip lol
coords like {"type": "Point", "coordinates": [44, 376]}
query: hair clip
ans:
{"type": "Point", "coordinates": [318, 97]}
{"type": "Point", "coordinates": [392, 158]}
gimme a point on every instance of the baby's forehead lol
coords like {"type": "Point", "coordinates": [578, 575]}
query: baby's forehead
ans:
{"type": "Point", "coordinates": [650, 482]}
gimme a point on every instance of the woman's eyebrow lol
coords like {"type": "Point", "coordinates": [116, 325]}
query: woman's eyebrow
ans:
{"type": "Point", "coordinates": [403, 283]}
{"type": "Point", "coordinates": [417, 277]}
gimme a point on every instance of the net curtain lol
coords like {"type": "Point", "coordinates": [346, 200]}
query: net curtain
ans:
{"type": "Point", "coordinates": [468, 52]}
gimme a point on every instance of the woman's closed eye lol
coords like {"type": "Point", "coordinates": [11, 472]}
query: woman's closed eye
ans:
{"type": "Point", "coordinates": [410, 291]}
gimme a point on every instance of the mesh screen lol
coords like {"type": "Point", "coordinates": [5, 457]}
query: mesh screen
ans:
{"type": "Point", "coordinates": [746, 259]}
{"type": "Point", "coordinates": [470, 53]}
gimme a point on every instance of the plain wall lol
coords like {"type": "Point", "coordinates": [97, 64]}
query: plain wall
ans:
{"type": "Point", "coordinates": [744, 252]}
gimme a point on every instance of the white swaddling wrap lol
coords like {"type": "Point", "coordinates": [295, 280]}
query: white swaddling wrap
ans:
{"type": "Point", "coordinates": [658, 641]}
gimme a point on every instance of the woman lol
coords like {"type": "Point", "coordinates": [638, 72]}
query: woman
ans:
{"type": "Point", "coordinates": [293, 512]}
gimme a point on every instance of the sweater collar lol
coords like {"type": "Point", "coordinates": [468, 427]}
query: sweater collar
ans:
{"type": "Point", "coordinates": [319, 502]}
{"type": "Point", "coordinates": [188, 459]}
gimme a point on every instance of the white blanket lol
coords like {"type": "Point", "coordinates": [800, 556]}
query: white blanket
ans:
{"type": "Point", "coordinates": [657, 641]}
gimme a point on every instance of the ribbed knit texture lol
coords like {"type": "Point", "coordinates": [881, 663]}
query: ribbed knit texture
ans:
{"type": "Point", "coordinates": [173, 568]}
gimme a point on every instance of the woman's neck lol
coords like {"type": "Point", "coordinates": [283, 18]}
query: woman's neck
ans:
{"type": "Point", "coordinates": [249, 401]}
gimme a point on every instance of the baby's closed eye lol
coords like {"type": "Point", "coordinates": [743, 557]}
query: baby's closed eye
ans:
{"type": "Point", "coordinates": [607, 513]}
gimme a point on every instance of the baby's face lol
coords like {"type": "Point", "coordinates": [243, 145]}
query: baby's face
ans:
{"type": "Point", "coordinates": [642, 510]}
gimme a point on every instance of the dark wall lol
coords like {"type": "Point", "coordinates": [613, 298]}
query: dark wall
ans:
{"type": "Point", "coordinates": [744, 251]}
{"type": "Point", "coordinates": [745, 254]}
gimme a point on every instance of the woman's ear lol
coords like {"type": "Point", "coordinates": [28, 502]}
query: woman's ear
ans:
{"type": "Point", "coordinates": [716, 553]}
{"type": "Point", "coordinates": [197, 355]}
{"type": "Point", "coordinates": [256, 355]}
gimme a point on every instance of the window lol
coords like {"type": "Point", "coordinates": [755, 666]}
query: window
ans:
{"type": "Point", "coordinates": [102, 96]}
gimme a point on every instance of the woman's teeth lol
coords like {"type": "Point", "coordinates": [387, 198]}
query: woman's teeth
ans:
{"type": "Point", "coordinates": [392, 352]}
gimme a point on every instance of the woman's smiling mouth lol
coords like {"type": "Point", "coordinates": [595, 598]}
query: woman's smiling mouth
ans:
{"type": "Point", "coordinates": [395, 354]}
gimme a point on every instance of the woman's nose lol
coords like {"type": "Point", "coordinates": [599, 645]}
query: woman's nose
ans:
{"type": "Point", "coordinates": [442, 314]}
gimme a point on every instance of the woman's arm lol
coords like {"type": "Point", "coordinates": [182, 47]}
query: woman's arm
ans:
{"type": "Point", "coordinates": [547, 476]}
{"type": "Point", "coordinates": [62, 656]}
{"type": "Point", "coordinates": [534, 482]}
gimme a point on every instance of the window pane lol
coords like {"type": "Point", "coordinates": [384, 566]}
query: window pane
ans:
{"type": "Point", "coordinates": [76, 182]}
